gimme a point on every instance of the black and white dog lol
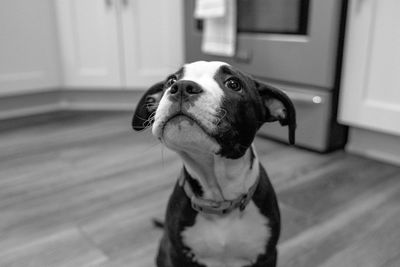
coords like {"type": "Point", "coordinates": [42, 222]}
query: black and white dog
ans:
{"type": "Point", "coordinates": [223, 210]}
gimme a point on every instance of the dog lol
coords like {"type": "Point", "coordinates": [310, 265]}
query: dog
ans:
{"type": "Point", "coordinates": [223, 211]}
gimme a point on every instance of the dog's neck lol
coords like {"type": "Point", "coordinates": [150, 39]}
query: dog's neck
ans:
{"type": "Point", "coordinates": [222, 178]}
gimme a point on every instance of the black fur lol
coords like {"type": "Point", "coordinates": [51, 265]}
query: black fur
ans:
{"type": "Point", "coordinates": [241, 114]}
{"type": "Point", "coordinates": [180, 215]}
{"type": "Point", "coordinates": [245, 111]}
{"type": "Point", "coordinates": [267, 91]}
{"type": "Point", "coordinates": [147, 105]}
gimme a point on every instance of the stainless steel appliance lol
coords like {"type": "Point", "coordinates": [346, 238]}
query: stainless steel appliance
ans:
{"type": "Point", "coordinates": [295, 45]}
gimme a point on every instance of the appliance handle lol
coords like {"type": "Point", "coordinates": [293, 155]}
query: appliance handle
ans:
{"type": "Point", "coordinates": [305, 98]}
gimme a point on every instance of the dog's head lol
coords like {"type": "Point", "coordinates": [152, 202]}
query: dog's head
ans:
{"type": "Point", "coordinates": [211, 107]}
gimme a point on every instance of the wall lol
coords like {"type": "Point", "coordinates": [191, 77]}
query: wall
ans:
{"type": "Point", "coordinates": [28, 47]}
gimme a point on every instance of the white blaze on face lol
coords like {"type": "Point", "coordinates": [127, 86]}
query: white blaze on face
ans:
{"type": "Point", "coordinates": [209, 103]}
{"type": "Point", "coordinates": [205, 107]}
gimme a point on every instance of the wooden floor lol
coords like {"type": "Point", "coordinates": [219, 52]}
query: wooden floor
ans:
{"type": "Point", "coordinates": [80, 189]}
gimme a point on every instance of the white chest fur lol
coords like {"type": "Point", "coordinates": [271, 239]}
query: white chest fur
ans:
{"type": "Point", "coordinates": [235, 240]}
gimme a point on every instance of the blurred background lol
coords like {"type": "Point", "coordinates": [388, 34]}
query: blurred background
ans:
{"type": "Point", "coordinates": [78, 188]}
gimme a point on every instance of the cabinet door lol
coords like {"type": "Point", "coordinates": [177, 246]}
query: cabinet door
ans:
{"type": "Point", "coordinates": [89, 42]}
{"type": "Point", "coordinates": [28, 46]}
{"type": "Point", "coordinates": [370, 95]}
{"type": "Point", "coordinates": [152, 40]}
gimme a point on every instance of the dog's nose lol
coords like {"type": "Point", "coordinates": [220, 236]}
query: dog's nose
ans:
{"type": "Point", "coordinates": [185, 88]}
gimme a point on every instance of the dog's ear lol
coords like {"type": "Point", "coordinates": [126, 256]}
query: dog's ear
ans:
{"type": "Point", "coordinates": [144, 113]}
{"type": "Point", "coordinates": [278, 107]}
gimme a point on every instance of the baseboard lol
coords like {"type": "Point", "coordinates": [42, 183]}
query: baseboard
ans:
{"type": "Point", "coordinates": [29, 104]}
{"type": "Point", "coordinates": [55, 100]}
{"type": "Point", "coordinates": [15, 113]}
{"type": "Point", "coordinates": [376, 145]}
{"type": "Point", "coordinates": [368, 143]}
{"type": "Point", "coordinates": [100, 99]}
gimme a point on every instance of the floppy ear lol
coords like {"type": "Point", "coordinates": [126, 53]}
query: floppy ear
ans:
{"type": "Point", "coordinates": [144, 113]}
{"type": "Point", "coordinates": [278, 107]}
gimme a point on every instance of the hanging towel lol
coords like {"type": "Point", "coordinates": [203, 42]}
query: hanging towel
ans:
{"type": "Point", "coordinates": [219, 26]}
{"type": "Point", "coordinates": [205, 9]}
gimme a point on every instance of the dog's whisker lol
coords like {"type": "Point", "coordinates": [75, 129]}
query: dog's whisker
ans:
{"type": "Point", "coordinates": [224, 110]}
{"type": "Point", "coordinates": [148, 122]}
{"type": "Point", "coordinates": [146, 119]}
{"type": "Point", "coordinates": [150, 147]}
{"type": "Point", "coordinates": [139, 117]}
{"type": "Point", "coordinates": [151, 106]}
{"type": "Point", "coordinates": [145, 126]}
{"type": "Point", "coordinates": [221, 117]}
{"type": "Point", "coordinates": [214, 146]}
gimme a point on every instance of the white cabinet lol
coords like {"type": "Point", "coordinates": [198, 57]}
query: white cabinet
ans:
{"type": "Point", "coordinates": [28, 46]}
{"type": "Point", "coordinates": [119, 43]}
{"type": "Point", "coordinates": [152, 34]}
{"type": "Point", "coordinates": [370, 96]}
{"type": "Point", "coordinates": [89, 43]}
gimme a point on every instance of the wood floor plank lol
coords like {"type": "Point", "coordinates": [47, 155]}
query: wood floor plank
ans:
{"type": "Point", "coordinates": [125, 229]}
{"type": "Point", "coordinates": [373, 249]}
{"type": "Point", "coordinates": [81, 189]}
{"type": "Point", "coordinates": [394, 262]}
{"type": "Point", "coordinates": [315, 243]}
{"type": "Point", "coordinates": [56, 174]}
{"type": "Point", "coordinates": [67, 248]}
{"type": "Point", "coordinates": [83, 199]}
{"type": "Point", "coordinates": [335, 188]}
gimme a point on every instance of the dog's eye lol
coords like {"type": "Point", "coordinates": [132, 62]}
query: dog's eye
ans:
{"type": "Point", "coordinates": [171, 80]}
{"type": "Point", "coordinates": [233, 84]}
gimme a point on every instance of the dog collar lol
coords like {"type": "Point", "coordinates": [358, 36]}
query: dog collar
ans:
{"type": "Point", "coordinates": [218, 207]}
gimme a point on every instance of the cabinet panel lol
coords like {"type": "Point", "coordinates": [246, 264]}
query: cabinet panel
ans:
{"type": "Point", "coordinates": [383, 82]}
{"type": "Point", "coordinates": [371, 83]}
{"type": "Point", "coordinates": [28, 46]}
{"type": "Point", "coordinates": [152, 40]}
{"type": "Point", "coordinates": [89, 41]}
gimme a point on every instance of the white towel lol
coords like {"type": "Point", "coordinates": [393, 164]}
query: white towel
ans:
{"type": "Point", "coordinates": [219, 26]}
{"type": "Point", "coordinates": [206, 9]}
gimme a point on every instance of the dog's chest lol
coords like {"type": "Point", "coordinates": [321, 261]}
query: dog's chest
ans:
{"type": "Point", "coordinates": [234, 241]}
